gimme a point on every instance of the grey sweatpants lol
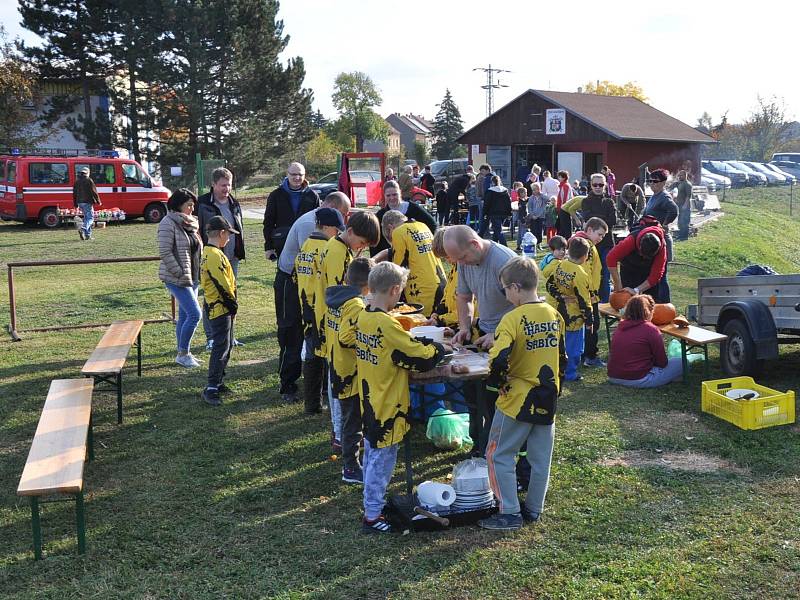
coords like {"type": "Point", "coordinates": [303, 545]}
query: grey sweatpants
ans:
{"type": "Point", "coordinates": [505, 439]}
{"type": "Point", "coordinates": [378, 468]}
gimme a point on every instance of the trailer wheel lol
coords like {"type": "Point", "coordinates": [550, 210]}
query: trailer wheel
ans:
{"type": "Point", "coordinates": [153, 213]}
{"type": "Point", "coordinates": [49, 218]}
{"type": "Point", "coordinates": [738, 352]}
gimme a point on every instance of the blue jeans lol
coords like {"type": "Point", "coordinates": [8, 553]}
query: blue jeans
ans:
{"type": "Point", "coordinates": [88, 217]}
{"type": "Point", "coordinates": [657, 376]}
{"type": "Point", "coordinates": [574, 346]}
{"type": "Point", "coordinates": [206, 325]}
{"type": "Point", "coordinates": [378, 468]}
{"type": "Point", "coordinates": [188, 314]}
{"type": "Point", "coordinates": [497, 229]}
{"type": "Point", "coordinates": [605, 287]}
{"type": "Point", "coordinates": [684, 218]}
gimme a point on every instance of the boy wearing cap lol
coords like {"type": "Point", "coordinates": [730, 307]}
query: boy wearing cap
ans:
{"type": "Point", "coordinates": [85, 197]}
{"type": "Point", "coordinates": [308, 267]}
{"type": "Point", "coordinates": [219, 304]}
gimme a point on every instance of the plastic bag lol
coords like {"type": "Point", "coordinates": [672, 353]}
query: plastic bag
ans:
{"type": "Point", "coordinates": [674, 351]}
{"type": "Point", "coordinates": [449, 430]}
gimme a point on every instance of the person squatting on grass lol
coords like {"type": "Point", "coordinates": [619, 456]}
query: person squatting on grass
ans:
{"type": "Point", "coordinates": [526, 364]}
{"type": "Point", "coordinates": [385, 354]}
{"type": "Point", "coordinates": [345, 303]}
{"type": "Point", "coordinates": [180, 246]}
{"type": "Point", "coordinates": [637, 358]}
{"type": "Point", "coordinates": [219, 304]}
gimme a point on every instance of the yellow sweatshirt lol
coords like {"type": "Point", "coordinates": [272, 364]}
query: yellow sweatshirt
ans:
{"type": "Point", "coordinates": [344, 305]}
{"type": "Point", "coordinates": [569, 280]}
{"type": "Point", "coordinates": [218, 283]}
{"type": "Point", "coordinates": [412, 248]}
{"type": "Point", "coordinates": [308, 266]}
{"type": "Point", "coordinates": [527, 362]}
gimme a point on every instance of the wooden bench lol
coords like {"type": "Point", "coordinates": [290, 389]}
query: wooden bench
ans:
{"type": "Point", "coordinates": [57, 454]}
{"type": "Point", "coordinates": [690, 337]}
{"type": "Point", "coordinates": [106, 362]}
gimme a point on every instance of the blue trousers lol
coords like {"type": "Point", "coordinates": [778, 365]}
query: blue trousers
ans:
{"type": "Point", "coordinates": [657, 376]}
{"type": "Point", "coordinates": [378, 468]}
{"type": "Point", "coordinates": [684, 218]}
{"type": "Point", "coordinates": [605, 287]}
{"type": "Point", "coordinates": [574, 346]}
{"type": "Point", "coordinates": [189, 314]}
{"type": "Point", "coordinates": [88, 217]}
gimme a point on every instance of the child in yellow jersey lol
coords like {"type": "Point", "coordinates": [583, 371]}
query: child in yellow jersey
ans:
{"type": "Point", "coordinates": [385, 353]}
{"type": "Point", "coordinates": [308, 267]}
{"type": "Point", "coordinates": [594, 231]}
{"type": "Point", "coordinates": [526, 364]}
{"type": "Point", "coordinates": [362, 230]}
{"type": "Point", "coordinates": [548, 264]}
{"type": "Point", "coordinates": [412, 248]}
{"type": "Point", "coordinates": [345, 303]}
{"type": "Point", "coordinates": [219, 304]}
{"type": "Point", "coordinates": [569, 286]}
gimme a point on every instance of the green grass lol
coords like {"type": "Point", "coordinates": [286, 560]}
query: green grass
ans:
{"type": "Point", "coordinates": [184, 501]}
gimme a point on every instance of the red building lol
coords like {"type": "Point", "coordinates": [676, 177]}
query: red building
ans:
{"type": "Point", "coordinates": [580, 133]}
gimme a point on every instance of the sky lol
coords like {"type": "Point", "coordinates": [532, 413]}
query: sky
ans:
{"type": "Point", "coordinates": [689, 57]}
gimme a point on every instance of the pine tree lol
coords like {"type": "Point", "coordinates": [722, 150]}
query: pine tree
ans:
{"type": "Point", "coordinates": [447, 127]}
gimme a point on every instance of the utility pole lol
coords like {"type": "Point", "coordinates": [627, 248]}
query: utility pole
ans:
{"type": "Point", "coordinates": [491, 86]}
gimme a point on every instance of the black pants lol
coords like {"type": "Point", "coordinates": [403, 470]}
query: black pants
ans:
{"type": "Point", "coordinates": [442, 212]}
{"type": "Point", "coordinates": [290, 331]}
{"type": "Point", "coordinates": [564, 224]}
{"type": "Point", "coordinates": [590, 339]}
{"type": "Point", "coordinates": [536, 227]}
{"type": "Point", "coordinates": [314, 380]}
{"type": "Point", "coordinates": [221, 330]}
{"type": "Point", "coordinates": [481, 413]}
{"type": "Point", "coordinates": [351, 431]}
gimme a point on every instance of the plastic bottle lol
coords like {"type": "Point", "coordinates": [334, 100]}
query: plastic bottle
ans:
{"type": "Point", "coordinates": [529, 245]}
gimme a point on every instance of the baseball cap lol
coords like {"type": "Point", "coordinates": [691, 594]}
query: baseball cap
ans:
{"type": "Point", "coordinates": [330, 217]}
{"type": "Point", "coordinates": [84, 170]}
{"type": "Point", "coordinates": [658, 175]}
{"type": "Point", "coordinates": [219, 223]}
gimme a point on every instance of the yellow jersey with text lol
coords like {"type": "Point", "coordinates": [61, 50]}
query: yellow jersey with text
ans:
{"type": "Point", "coordinates": [218, 283]}
{"type": "Point", "coordinates": [569, 287]}
{"type": "Point", "coordinates": [527, 362]}
{"type": "Point", "coordinates": [336, 257]}
{"type": "Point", "coordinates": [385, 353]}
{"type": "Point", "coordinates": [412, 248]}
{"type": "Point", "coordinates": [548, 266]}
{"type": "Point", "coordinates": [340, 335]}
{"type": "Point", "coordinates": [308, 271]}
{"type": "Point", "coordinates": [593, 267]}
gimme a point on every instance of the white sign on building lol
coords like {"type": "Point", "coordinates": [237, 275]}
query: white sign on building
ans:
{"type": "Point", "coordinates": [555, 121]}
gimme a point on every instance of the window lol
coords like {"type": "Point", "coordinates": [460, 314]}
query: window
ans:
{"type": "Point", "coordinates": [329, 178]}
{"type": "Point", "coordinates": [3, 171]}
{"type": "Point", "coordinates": [12, 172]}
{"type": "Point", "coordinates": [48, 173]}
{"type": "Point", "coordinates": [133, 174]}
{"type": "Point", "coordinates": [101, 173]}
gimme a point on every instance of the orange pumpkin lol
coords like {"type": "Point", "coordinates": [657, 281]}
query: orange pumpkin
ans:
{"type": "Point", "coordinates": [619, 299]}
{"type": "Point", "coordinates": [663, 314]}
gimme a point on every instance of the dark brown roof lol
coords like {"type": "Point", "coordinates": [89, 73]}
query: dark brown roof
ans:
{"type": "Point", "coordinates": [623, 117]}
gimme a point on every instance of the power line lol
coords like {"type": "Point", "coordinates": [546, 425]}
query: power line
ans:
{"type": "Point", "coordinates": [491, 85]}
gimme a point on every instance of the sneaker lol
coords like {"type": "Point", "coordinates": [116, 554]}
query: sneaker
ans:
{"type": "Point", "coordinates": [289, 397]}
{"type": "Point", "coordinates": [379, 525]}
{"type": "Point", "coordinates": [336, 445]}
{"type": "Point", "coordinates": [237, 343]}
{"type": "Point", "coordinates": [82, 233]}
{"type": "Point", "coordinates": [528, 515]}
{"type": "Point", "coordinates": [223, 388]}
{"type": "Point", "coordinates": [500, 522]}
{"type": "Point", "coordinates": [209, 345]}
{"type": "Point", "coordinates": [594, 362]}
{"type": "Point", "coordinates": [187, 360]}
{"type": "Point", "coordinates": [211, 397]}
{"type": "Point", "coordinates": [353, 475]}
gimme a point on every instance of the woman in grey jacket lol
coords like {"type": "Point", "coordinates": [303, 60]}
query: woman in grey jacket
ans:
{"type": "Point", "coordinates": [179, 245]}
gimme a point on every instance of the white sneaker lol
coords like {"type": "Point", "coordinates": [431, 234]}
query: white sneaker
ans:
{"type": "Point", "coordinates": [187, 360]}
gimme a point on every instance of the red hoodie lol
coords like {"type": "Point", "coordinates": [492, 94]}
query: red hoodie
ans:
{"type": "Point", "coordinates": [631, 244]}
{"type": "Point", "coordinates": [636, 347]}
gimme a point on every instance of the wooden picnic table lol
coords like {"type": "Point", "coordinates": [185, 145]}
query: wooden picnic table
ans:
{"type": "Point", "coordinates": [690, 337]}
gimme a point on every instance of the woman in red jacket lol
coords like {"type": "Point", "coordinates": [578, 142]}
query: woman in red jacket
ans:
{"type": "Point", "coordinates": [637, 357]}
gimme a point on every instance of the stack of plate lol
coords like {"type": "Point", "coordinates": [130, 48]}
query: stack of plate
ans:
{"type": "Point", "coordinates": [473, 500]}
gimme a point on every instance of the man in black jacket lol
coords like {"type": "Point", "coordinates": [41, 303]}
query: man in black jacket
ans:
{"type": "Point", "coordinates": [412, 210]}
{"type": "Point", "coordinates": [219, 202]}
{"type": "Point", "coordinates": [290, 200]}
{"type": "Point", "coordinates": [285, 204]}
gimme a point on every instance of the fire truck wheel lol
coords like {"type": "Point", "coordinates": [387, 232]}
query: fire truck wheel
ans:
{"type": "Point", "coordinates": [49, 218]}
{"type": "Point", "coordinates": [153, 213]}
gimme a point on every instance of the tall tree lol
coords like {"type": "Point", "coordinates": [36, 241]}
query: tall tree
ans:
{"type": "Point", "coordinates": [447, 127]}
{"type": "Point", "coordinates": [607, 88]}
{"type": "Point", "coordinates": [766, 128]}
{"type": "Point", "coordinates": [354, 96]}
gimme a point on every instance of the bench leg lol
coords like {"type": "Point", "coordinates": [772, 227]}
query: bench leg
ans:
{"type": "Point", "coordinates": [81, 523]}
{"type": "Point", "coordinates": [608, 330]}
{"type": "Point", "coordinates": [139, 354]}
{"type": "Point", "coordinates": [685, 361]}
{"type": "Point", "coordinates": [409, 468]}
{"type": "Point", "coordinates": [90, 439]}
{"type": "Point", "coordinates": [707, 369]}
{"type": "Point", "coordinates": [119, 397]}
{"type": "Point", "coordinates": [36, 525]}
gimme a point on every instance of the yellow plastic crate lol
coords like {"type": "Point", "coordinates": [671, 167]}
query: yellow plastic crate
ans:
{"type": "Point", "coordinates": [769, 409]}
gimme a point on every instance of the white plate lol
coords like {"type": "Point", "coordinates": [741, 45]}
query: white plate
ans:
{"type": "Point", "coordinates": [737, 393]}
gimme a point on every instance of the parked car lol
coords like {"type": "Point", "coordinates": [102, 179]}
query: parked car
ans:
{"type": "Point", "coordinates": [709, 183]}
{"type": "Point", "coordinates": [738, 178]}
{"type": "Point", "coordinates": [790, 179]}
{"type": "Point", "coordinates": [447, 170]}
{"type": "Point", "coordinates": [39, 188]}
{"type": "Point", "coordinates": [721, 181]}
{"type": "Point", "coordinates": [330, 182]}
{"type": "Point", "coordinates": [792, 157]}
{"type": "Point", "coordinates": [788, 167]}
{"type": "Point", "coordinates": [773, 178]}
{"type": "Point", "coordinates": [754, 177]}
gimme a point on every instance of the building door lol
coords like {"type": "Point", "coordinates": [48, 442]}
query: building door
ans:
{"type": "Point", "coordinates": [572, 162]}
{"type": "Point", "coordinates": [500, 159]}
{"type": "Point", "coordinates": [529, 155]}
{"type": "Point", "coordinates": [592, 163]}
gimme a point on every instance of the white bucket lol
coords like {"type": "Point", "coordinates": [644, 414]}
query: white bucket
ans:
{"type": "Point", "coordinates": [429, 331]}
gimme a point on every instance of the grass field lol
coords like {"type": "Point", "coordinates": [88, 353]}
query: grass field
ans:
{"type": "Point", "coordinates": [649, 497]}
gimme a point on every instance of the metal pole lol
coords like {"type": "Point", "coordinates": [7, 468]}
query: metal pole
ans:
{"type": "Point", "coordinates": [36, 525]}
{"type": "Point", "coordinates": [12, 298]}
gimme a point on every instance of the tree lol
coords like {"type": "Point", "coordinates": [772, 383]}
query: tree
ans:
{"type": "Point", "coordinates": [704, 122]}
{"type": "Point", "coordinates": [318, 120]}
{"type": "Point", "coordinates": [765, 129]}
{"type": "Point", "coordinates": [421, 154]}
{"type": "Point", "coordinates": [354, 95]}
{"type": "Point", "coordinates": [321, 154]}
{"type": "Point", "coordinates": [447, 127]}
{"type": "Point", "coordinates": [606, 88]}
